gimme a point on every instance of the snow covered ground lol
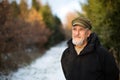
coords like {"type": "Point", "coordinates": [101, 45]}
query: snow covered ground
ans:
{"type": "Point", "coordinates": [47, 67]}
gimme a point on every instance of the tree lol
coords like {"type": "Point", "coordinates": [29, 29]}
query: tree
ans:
{"type": "Point", "coordinates": [54, 24]}
{"type": "Point", "coordinates": [105, 17]}
{"type": "Point", "coordinates": [23, 9]}
{"type": "Point", "coordinates": [4, 8]}
{"type": "Point", "coordinates": [36, 4]}
{"type": "Point", "coordinates": [47, 16]}
{"type": "Point", "coordinates": [57, 35]}
{"type": "Point", "coordinates": [15, 9]}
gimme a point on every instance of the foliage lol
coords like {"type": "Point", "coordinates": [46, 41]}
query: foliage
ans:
{"type": "Point", "coordinates": [57, 34]}
{"type": "Point", "coordinates": [36, 4]}
{"type": "Point", "coordinates": [18, 32]}
{"type": "Point", "coordinates": [105, 17]}
{"type": "Point", "coordinates": [47, 16]}
{"type": "Point", "coordinates": [54, 24]}
{"type": "Point", "coordinates": [22, 28]}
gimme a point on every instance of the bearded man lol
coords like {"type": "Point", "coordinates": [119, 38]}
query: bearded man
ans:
{"type": "Point", "coordinates": [85, 58]}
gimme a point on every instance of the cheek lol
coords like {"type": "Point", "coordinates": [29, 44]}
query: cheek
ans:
{"type": "Point", "coordinates": [84, 35]}
{"type": "Point", "coordinates": [73, 33]}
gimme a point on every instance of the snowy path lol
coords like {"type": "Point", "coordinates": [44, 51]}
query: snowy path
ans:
{"type": "Point", "coordinates": [47, 67]}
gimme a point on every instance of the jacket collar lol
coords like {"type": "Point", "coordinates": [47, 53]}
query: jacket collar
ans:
{"type": "Point", "coordinates": [93, 42]}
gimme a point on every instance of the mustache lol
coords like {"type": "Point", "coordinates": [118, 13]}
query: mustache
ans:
{"type": "Point", "coordinates": [76, 36]}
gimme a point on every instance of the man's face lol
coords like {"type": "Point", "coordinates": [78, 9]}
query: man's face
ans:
{"type": "Point", "coordinates": [79, 35]}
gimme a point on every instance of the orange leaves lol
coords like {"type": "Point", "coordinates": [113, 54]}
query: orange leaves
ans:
{"type": "Point", "coordinates": [34, 16]}
{"type": "Point", "coordinates": [19, 32]}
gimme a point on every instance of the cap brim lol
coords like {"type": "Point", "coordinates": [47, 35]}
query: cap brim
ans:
{"type": "Point", "coordinates": [79, 24]}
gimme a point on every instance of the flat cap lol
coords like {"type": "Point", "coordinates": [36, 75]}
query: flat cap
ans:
{"type": "Point", "coordinates": [82, 21]}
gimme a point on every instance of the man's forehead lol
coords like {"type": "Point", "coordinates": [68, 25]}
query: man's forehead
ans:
{"type": "Point", "coordinates": [78, 26]}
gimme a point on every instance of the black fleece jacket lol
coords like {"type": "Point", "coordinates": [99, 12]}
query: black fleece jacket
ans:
{"type": "Point", "coordinates": [93, 63]}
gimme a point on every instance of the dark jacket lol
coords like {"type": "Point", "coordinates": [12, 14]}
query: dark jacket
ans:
{"type": "Point", "coordinates": [93, 63]}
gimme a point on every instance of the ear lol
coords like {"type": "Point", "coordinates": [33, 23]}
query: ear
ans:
{"type": "Point", "coordinates": [89, 32]}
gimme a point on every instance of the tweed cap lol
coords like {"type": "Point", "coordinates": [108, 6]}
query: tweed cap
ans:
{"type": "Point", "coordinates": [82, 21]}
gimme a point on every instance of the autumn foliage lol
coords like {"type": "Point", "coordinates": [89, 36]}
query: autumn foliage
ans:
{"type": "Point", "coordinates": [18, 33]}
{"type": "Point", "coordinates": [22, 28]}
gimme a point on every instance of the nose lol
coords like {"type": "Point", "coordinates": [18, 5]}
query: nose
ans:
{"type": "Point", "coordinates": [77, 32]}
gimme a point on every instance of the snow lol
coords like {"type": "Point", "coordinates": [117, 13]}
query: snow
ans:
{"type": "Point", "coordinates": [47, 67]}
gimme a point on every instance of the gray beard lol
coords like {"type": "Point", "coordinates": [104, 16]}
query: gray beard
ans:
{"type": "Point", "coordinates": [78, 43]}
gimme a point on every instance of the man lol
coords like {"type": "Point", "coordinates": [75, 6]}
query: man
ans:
{"type": "Point", "coordinates": [85, 58]}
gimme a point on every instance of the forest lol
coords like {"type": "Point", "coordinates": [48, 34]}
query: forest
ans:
{"type": "Point", "coordinates": [26, 33]}
{"type": "Point", "coordinates": [105, 17]}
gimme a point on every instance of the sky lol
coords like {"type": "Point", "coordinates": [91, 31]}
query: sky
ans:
{"type": "Point", "coordinates": [60, 8]}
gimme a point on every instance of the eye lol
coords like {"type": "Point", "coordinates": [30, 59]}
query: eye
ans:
{"type": "Point", "coordinates": [74, 28]}
{"type": "Point", "coordinates": [81, 29]}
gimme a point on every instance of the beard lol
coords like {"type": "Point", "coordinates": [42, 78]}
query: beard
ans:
{"type": "Point", "coordinates": [78, 42]}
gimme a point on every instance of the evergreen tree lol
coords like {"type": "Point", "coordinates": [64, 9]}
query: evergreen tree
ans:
{"type": "Point", "coordinates": [15, 9]}
{"type": "Point", "coordinates": [53, 23]}
{"type": "Point", "coordinates": [23, 9]}
{"type": "Point", "coordinates": [36, 4]}
{"type": "Point", "coordinates": [47, 16]}
{"type": "Point", "coordinates": [105, 18]}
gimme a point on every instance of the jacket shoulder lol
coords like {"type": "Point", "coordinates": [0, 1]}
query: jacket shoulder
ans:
{"type": "Point", "coordinates": [102, 51]}
{"type": "Point", "coordinates": [65, 53]}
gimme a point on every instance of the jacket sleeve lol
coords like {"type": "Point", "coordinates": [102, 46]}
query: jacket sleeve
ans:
{"type": "Point", "coordinates": [63, 62]}
{"type": "Point", "coordinates": [110, 68]}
